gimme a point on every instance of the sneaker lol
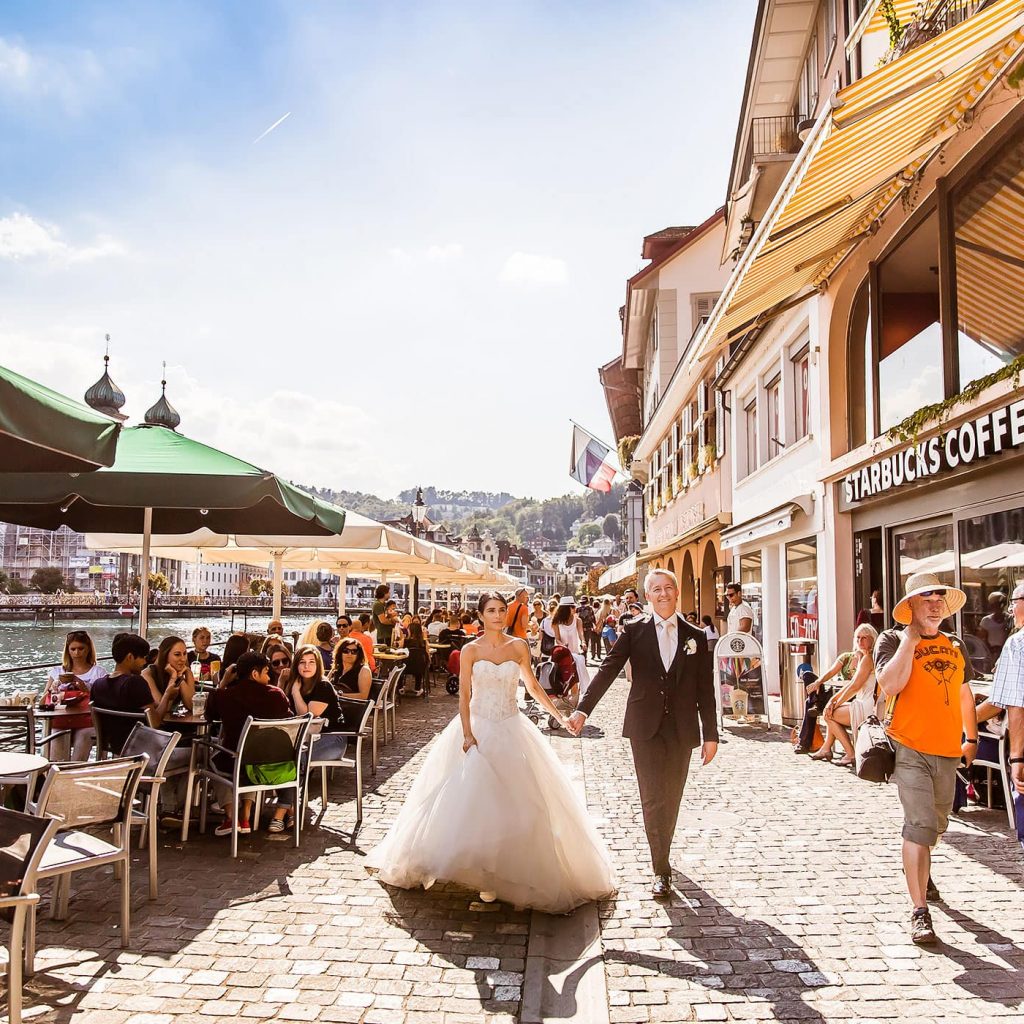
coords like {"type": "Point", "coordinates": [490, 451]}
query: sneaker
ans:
{"type": "Point", "coordinates": [921, 931]}
{"type": "Point", "coordinates": [932, 892]}
{"type": "Point", "coordinates": [276, 825]}
{"type": "Point", "coordinates": [224, 828]}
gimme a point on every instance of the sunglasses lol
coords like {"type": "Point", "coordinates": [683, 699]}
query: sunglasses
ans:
{"type": "Point", "coordinates": [279, 662]}
{"type": "Point", "coordinates": [932, 593]}
{"type": "Point", "coordinates": [350, 650]}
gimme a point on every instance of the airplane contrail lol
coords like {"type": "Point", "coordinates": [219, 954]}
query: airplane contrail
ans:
{"type": "Point", "coordinates": [279, 121]}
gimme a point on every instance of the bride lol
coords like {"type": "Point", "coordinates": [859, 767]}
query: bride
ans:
{"type": "Point", "coordinates": [492, 808]}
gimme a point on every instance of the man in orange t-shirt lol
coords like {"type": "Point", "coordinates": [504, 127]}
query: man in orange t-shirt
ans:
{"type": "Point", "coordinates": [926, 673]}
{"type": "Point", "coordinates": [517, 618]}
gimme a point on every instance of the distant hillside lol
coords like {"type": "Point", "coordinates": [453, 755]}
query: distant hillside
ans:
{"type": "Point", "coordinates": [536, 524]}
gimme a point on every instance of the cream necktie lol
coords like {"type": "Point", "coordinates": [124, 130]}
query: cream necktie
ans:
{"type": "Point", "coordinates": [667, 642]}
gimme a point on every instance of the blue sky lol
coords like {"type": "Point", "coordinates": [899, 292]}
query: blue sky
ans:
{"type": "Point", "coordinates": [414, 276]}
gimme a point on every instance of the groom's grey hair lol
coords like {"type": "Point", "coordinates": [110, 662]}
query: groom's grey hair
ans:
{"type": "Point", "coordinates": [657, 572]}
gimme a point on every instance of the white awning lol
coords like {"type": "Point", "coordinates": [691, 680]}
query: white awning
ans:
{"type": "Point", "coordinates": [777, 521]}
{"type": "Point", "coordinates": [618, 572]}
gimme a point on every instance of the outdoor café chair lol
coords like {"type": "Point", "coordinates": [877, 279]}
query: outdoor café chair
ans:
{"type": "Point", "coordinates": [263, 741]}
{"type": "Point", "coordinates": [389, 697]}
{"type": "Point", "coordinates": [83, 797]}
{"type": "Point", "coordinates": [1001, 765]}
{"type": "Point", "coordinates": [357, 713]}
{"type": "Point", "coordinates": [159, 745]}
{"type": "Point", "coordinates": [378, 690]}
{"type": "Point", "coordinates": [20, 730]}
{"type": "Point", "coordinates": [23, 840]}
{"type": "Point", "coordinates": [103, 717]}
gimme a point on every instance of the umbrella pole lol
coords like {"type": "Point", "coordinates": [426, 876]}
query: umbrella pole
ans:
{"type": "Point", "coordinates": [278, 574]}
{"type": "Point", "coordinates": [342, 583]}
{"type": "Point", "coordinates": [147, 536]}
{"type": "Point", "coordinates": [433, 596]}
{"type": "Point", "coordinates": [414, 595]}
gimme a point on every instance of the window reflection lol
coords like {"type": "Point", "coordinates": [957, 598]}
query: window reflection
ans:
{"type": "Point", "coordinates": [991, 565]}
{"type": "Point", "coordinates": [750, 581]}
{"type": "Point", "coordinates": [802, 588]}
{"type": "Point", "coordinates": [927, 550]}
{"type": "Point", "coordinates": [989, 225]}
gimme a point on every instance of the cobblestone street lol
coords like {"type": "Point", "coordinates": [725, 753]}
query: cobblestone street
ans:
{"type": "Point", "coordinates": [791, 908]}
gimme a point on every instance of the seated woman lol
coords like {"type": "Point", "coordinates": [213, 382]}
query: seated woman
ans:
{"type": "Point", "coordinates": [205, 663]}
{"type": "Point", "coordinates": [280, 659]}
{"type": "Point", "coordinates": [324, 644]}
{"type": "Point", "coordinates": [237, 645]}
{"type": "Point", "coordinates": [418, 663]}
{"type": "Point", "coordinates": [858, 699]}
{"type": "Point", "coordinates": [70, 684]}
{"type": "Point", "coordinates": [311, 693]}
{"type": "Point", "coordinates": [171, 668]}
{"type": "Point", "coordinates": [351, 676]}
{"type": "Point", "coordinates": [249, 694]}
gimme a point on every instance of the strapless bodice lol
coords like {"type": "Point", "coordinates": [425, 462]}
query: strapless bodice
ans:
{"type": "Point", "coordinates": [494, 690]}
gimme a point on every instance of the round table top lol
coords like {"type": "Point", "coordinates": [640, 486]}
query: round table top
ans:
{"type": "Point", "coordinates": [391, 655]}
{"type": "Point", "coordinates": [20, 764]}
{"type": "Point", "coordinates": [173, 720]}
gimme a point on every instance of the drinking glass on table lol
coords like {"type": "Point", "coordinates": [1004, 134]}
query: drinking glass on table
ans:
{"type": "Point", "coordinates": [199, 703]}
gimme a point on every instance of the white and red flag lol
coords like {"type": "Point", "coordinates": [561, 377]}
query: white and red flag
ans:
{"type": "Point", "coordinates": [590, 461]}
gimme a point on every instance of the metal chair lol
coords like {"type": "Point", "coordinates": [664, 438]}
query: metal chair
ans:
{"type": "Point", "coordinates": [263, 741]}
{"type": "Point", "coordinates": [1002, 766]}
{"type": "Point", "coordinates": [159, 746]}
{"type": "Point", "coordinates": [375, 696]}
{"type": "Point", "coordinates": [105, 722]}
{"type": "Point", "coordinates": [387, 701]}
{"type": "Point", "coordinates": [23, 840]}
{"type": "Point", "coordinates": [20, 730]}
{"type": "Point", "coordinates": [94, 795]}
{"type": "Point", "coordinates": [357, 712]}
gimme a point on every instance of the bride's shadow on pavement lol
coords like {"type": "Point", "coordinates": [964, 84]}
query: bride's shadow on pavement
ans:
{"type": "Point", "coordinates": [717, 950]}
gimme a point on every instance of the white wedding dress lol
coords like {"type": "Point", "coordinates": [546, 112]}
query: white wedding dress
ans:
{"type": "Point", "coordinates": [502, 818]}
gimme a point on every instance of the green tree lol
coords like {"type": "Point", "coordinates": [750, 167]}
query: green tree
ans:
{"type": "Point", "coordinates": [47, 580]}
{"type": "Point", "coordinates": [611, 526]}
{"type": "Point", "coordinates": [11, 584]}
{"type": "Point", "coordinates": [588, 533]}
{"type": "Point", "coordinates": [260, 585]}
{"type": "Point", "coordinates": [306, 588]}
{"type": "Point", "coordinates": [159, 583]}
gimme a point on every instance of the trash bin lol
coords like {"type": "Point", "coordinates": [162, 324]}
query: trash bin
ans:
{"type": "Point", "coordinates": [795, 651]}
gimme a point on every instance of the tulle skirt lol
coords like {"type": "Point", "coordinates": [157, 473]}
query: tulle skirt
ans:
{"type": "Point", "coordinates": [503, 818]}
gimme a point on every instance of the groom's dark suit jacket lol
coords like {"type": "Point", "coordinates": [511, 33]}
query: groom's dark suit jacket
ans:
{"type": "Point", "coordinates": [684, 694]}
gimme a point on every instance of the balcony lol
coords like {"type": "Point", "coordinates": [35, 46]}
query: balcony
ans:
{"type": "Point", "coordinates": [935, 18]}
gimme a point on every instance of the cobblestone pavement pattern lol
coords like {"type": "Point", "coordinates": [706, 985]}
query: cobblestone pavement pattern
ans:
{"type": "Point", "coordinates": [791, 908]}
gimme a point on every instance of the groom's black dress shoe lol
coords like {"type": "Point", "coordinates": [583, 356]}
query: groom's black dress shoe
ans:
{"type": "Point", "coordinates": [662, 887]}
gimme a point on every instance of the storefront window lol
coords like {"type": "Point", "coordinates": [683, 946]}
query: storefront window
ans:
{"type": "Point", "coordinates": [910, 363]}
{"type": "Point", "coordinates": [926, 550]}
{"type": "Point", "coordinates": [751, 583]}
{"type": "Point", "coordinates": [802, 588]}
{"type": "Point", "coordinates": [991, 565]}
{"type": "Point", "coordinates": [988, 216]}
{"type": "Point", "coordinates": [861, 377]}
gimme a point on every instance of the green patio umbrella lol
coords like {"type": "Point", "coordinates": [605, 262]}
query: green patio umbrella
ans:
{"type": "Point", "coordinates": [44, 431]}
{"type": "Point", "coordinates": [164, 482]}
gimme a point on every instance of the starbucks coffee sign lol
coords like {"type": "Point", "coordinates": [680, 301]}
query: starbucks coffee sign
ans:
{"type": "Point", "coordinates": [997, 431]}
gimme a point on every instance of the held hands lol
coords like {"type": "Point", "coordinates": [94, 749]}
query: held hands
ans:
{"type": "Point", "coordinates": [468, 741]}
{"type": "Point", "coordinates": [574, 723]}
{"type": "Point", "coordinates": [708, 751]}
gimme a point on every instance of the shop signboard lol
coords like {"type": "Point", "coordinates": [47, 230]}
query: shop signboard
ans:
{"type": "Point", "coordinates": [740, 679]}
{"type": "Point", "coordinates": [982, 438]}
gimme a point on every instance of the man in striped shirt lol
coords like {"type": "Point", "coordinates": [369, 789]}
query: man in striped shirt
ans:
{"type": "Point", "coordinates": [1008, 690]}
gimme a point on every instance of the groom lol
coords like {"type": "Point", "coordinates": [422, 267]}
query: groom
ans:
{"type": "Point", "coordinates": [673, 685]}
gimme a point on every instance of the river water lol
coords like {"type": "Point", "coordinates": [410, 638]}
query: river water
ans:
{"type": "Point", "coordinates": [36, 643]}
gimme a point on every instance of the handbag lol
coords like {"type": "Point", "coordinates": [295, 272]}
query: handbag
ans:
{"type": "Point", "coordinates": [875, 756]}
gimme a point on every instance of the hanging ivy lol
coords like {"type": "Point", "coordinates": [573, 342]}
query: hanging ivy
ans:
{"type": "Point", "coordinates": [896, 30]}
{"type": "Point", "coordinates": [910, 428]}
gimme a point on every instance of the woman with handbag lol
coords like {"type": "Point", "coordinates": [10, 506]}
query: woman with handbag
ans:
{"type": "Point", "coordinates": [852, 705]}
{"type": "Point", "coordinates": [70, 685]}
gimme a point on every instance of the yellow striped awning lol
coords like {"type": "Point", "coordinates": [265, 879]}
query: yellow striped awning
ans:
{"type": "Point", "coordinates": [873, 19]}
{"type": "Point", "coordinates": [864, 149]}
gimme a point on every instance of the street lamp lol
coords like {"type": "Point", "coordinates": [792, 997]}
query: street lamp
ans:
{"type": "Point", "coordinates": [419, 513]}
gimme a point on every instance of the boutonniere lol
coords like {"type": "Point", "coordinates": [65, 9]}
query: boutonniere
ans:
{"type": "Point", "coordinates": [691, 646]}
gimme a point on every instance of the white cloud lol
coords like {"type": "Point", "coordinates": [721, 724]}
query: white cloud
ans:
{"type": "Point", "coordinates": [69, 76]}
{"type": "Point", "coordinates": [531, 268]}
{"type": "Point", "coordinates": [444, 253]}
{"type": "Point", "coordinates": [23, 239]}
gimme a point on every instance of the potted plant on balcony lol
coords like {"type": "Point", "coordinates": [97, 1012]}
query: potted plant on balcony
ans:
{"type": "Point", "coordinates": [708, 454]}
{"type": "Point", "coordinates": [692, 471]}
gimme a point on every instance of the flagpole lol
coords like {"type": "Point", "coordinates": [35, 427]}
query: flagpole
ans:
{"type": "Point", "coordinates": [610, 447]}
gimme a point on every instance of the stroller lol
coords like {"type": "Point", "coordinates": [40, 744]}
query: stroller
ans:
{"type": "Point", "coordinates": [559, 677]}
{"type": "Point", "coordinates": [454, 661]}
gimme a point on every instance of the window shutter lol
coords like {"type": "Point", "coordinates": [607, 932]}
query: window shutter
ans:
{"type": "Point", "coordinates": [719, 423]}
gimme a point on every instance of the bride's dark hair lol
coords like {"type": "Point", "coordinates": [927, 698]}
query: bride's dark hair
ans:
{"type": "Point", "coordinates": [488, 597]}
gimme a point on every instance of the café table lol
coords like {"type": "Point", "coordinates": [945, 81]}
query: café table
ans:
{"type": "Point", "coordinates": [18, 769]}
